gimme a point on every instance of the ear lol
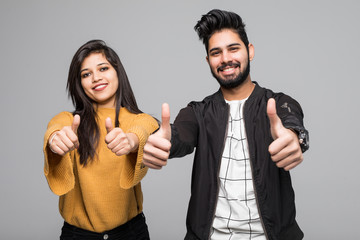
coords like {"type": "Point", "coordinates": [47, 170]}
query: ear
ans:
{"type": "Point", "coordinates": [251, 51]}
{"type": "Point", "coordinates": [207, 59]}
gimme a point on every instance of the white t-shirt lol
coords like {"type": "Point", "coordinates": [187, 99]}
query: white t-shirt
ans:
{"type": "Point", "coordinates": [236, 215]}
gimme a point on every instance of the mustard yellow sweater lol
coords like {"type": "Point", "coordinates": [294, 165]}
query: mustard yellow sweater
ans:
{"type": "Point", "coordinates": [107, 192]}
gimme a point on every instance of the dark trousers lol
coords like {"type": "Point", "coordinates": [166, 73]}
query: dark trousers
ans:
{"type": "Point", "coordinates": [135, 229]}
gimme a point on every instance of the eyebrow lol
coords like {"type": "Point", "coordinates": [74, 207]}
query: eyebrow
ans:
{"type": "Point", "coordinates": [230, 45]}
{"type": "Point", "coordinates": [85, 69]}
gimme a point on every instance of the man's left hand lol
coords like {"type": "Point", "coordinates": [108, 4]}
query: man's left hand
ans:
{"type": "Point", "coordinates": [285, 150]}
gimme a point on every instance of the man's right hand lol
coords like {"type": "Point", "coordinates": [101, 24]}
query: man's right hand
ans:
{"type": "Point", "coordinates": [157, 147]}
{"type": "Point", "coordinates": [65, 140]}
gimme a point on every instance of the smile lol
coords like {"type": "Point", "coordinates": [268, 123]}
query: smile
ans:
{"type": "Point", "coordinates": [100, 87]}
{"type": "Point", "coordinates": [228, 68]}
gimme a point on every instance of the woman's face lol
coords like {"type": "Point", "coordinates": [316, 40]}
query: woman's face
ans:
{"type": "Point", "coordinates": [99, 80]}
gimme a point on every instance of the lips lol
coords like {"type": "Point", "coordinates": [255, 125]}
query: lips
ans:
{"type": "Point", "coordinates": [228, 68]}
{"type": "Point", "coordinates": [100, 87]}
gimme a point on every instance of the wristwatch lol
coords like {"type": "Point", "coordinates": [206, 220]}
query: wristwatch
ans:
{"type": "Point", "coordinates": [303, 136]}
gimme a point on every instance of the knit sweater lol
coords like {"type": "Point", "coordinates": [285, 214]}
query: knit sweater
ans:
{"type": "Point", "coordinates": [106, 192]}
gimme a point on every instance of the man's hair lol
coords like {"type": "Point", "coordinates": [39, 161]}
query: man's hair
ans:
{"type": "Point", "coordinates": [217, 20]}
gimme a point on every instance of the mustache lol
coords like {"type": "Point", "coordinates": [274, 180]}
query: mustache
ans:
{"type": "Point", "coordinates": [225, 65]}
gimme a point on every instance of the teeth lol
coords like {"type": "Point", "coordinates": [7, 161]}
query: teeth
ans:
{"type": "Point", "coordinates": [100, 86]}
{"type": "Point", "coordinates": [228, 69]}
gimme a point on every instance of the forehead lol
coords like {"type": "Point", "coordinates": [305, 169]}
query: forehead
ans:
{"type": "Point", "coordinates": [224, 38]}
{"type": "Point", "coordinates": [94, 59]}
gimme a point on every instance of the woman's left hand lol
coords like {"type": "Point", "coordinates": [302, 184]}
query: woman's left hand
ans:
{"type": "Point", "coordinates": [119, 142]}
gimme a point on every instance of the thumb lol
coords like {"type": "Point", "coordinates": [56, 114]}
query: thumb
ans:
{"type": "Point", "coordinates": [75, 124]}
{"type": "Point", "coordinates": [108, 125]}
{"type": "Point", "coordinates": [165, 121]}
{"type": "Point", "coordinates": [275, 121]}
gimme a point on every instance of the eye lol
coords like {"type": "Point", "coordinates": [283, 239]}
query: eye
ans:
{"type": "Point", "coordinates": [233, 49]}
{"type": "Point", "coordinates": [214, 53]}
{"type": "Point", "coordinates": [104, 69]}
{"type": "Point", "coordinates": [85, 75]}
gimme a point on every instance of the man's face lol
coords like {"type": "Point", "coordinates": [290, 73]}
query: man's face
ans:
{"type": "Point", "coordinates": [228, 58]}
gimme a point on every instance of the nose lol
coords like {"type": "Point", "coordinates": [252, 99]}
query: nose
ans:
{"type": "Point", "coordinates": [97, 76]}
{"type": "Point", "coordinates": [226, 57]}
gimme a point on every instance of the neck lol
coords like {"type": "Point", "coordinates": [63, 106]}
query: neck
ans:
{"type": "Point", "coordinates": [240, 92]}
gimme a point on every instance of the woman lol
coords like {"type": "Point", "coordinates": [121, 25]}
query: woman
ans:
{"type": "Point", "coordinates": [93, 156]}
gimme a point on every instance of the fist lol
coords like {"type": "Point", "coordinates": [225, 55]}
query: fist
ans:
{"type": "Point", "coordinates": [119, 142]}
{"type": "Point", "coordinates": [157, 147]}
{"type": "Point", "coordinates": [285, 150]}
{"type": "Point", "coordinates": [65, 140]}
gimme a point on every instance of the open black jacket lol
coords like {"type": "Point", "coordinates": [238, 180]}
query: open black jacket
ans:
{"type": "Point", "coordinates": [202, 125]}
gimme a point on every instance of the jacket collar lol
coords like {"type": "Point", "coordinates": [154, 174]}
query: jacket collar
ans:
{"type": "Point", "coordinates": [219, 97]}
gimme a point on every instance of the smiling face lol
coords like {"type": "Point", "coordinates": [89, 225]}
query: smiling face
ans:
{"type": "Point", "coordinates": [229, 58]}
{"type": "Point", "coordinates": [99, 80]}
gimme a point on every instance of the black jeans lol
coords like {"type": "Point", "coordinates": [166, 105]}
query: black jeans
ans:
{"type": "Point", "coordinates": [135, 229]}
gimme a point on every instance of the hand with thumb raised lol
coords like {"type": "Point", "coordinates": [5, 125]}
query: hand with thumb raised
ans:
{"type": "Point", "coordinates": [65, 140]}
{"type": "Point", "coordinates": [157, 147]}
{"type": "Point", "coordinates": [119, 142]}
{"type": "Point", "coordinates": [285, 150]}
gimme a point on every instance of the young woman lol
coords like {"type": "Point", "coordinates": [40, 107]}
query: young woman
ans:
{"type": "Point", "coordinates": [93, 156]}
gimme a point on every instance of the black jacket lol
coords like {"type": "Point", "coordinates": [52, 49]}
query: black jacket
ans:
{"type": "Point", "coordinates": [202, 125]}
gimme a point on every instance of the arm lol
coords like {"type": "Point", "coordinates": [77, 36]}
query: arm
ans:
{"type": "Point", "coordinates": [135, 138]}
{"type": "Point", "coordinates": [285, 115]}
{"type": "Point", "coordinates": [59, 154]}
{"type": "Point", "coordinates": [182, 134]}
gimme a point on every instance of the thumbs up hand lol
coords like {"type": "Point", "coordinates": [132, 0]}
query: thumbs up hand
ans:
{"type": "Point", "coordinates": [157, 147]}
{"type": "Point", "coordinates": [65, 140]}
{"type": "Point", "coordinates": [119, 142]}
{"type": "Point", "coordinates": [285, 150]}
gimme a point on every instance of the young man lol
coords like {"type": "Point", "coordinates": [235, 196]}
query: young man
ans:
{"type": "Point", "coordinates": [246, 139]}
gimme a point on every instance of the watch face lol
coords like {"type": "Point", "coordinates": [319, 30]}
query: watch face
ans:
{"type": "Point", "coordinates": [303, 140]}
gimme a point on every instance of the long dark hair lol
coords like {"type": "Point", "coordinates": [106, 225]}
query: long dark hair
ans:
{"type": "Point", "coordinates": [88, 131]}
{"type": "Point", "coordinates": [217, 20]}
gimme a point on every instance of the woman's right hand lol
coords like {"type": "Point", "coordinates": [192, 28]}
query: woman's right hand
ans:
{"type": "Point", "coordinates": [65, 140]}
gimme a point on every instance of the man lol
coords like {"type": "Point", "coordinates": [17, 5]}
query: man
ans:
{"type": "Point", "coordinates": [246, 139]}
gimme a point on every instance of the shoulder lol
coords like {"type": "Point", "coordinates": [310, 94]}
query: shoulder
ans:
{"type": "Point", "coordinates": [136, 118]}
{"type": "Point", "coordinates": [62, 116]}
{"type": "Point", "coordinates": [125, 113]}
{"type": "Point", "coordinates": [266, 93]}
{"type": "Point", "coordinates": [216, 98]}
{"type": "Point", "coordinates": [285, 104]}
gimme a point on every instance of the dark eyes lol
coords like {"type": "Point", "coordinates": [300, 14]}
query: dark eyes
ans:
{"type": "Point", "coordinates": [214, 53]}
{"type": "Point", "coordinates": [103, 69]}
{"type": "Point", "coordinates": [231, 49]}
{"type": "Point", "coordinates": [85, 75]}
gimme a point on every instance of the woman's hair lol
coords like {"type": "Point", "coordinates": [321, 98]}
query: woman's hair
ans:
{"type": "Point", "coordinates": [217, 20]}
{"type": "Point", "coordinates": [88, 131]}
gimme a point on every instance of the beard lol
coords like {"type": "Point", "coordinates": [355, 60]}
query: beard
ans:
{"type": "Point", "coordinates": [236, 80]}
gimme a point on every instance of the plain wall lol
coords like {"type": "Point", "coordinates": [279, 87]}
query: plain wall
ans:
{"type": "Point", "coordinates": [307, 49]}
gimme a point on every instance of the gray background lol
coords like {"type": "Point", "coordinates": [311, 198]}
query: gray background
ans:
{"type": "Point", "coordinates": [308, 49]}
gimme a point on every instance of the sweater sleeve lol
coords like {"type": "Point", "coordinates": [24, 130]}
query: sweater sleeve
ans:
{"type": "Point", "coordinates": [58, 169]}
{"type": "Point", "coordinates": [134, 170]}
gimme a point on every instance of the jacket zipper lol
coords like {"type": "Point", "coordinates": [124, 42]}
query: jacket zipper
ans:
{"type": "Point", "coordinates": [257, 201]}
{"type": "Point", "coordinates": [218, 170]}
{"type": "Point", "coordinates": [255, 190]}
